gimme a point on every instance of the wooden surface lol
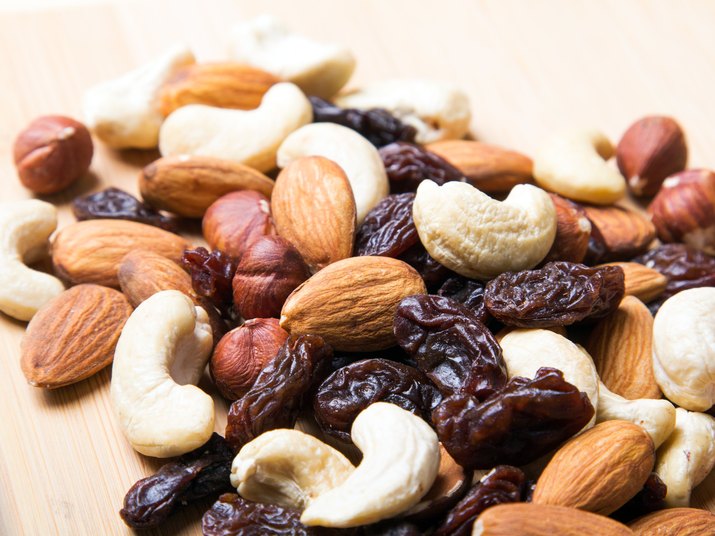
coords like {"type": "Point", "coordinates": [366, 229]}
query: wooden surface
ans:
{"type": "Point", "coordinates": [528, 67]}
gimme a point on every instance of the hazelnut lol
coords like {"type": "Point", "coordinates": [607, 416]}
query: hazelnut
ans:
{"type": "Point", "coordinates": [652, 149]}
{"type": "Point", "coordinates": [573, 230]}
{"type": "Point", "coordinates": [235, 220]}
{"type": "Point", "coordinates": [242, 353]}
{"type": "Point", "coordinates": [684, 209]}
{"type": "Point", "coordinates": [51, 153]}
{"type": "Point", "coordinates": [270, 269]}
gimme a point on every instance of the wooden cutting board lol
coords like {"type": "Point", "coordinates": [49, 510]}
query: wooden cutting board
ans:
{"type": "Point", "coordinates": [528, 67]}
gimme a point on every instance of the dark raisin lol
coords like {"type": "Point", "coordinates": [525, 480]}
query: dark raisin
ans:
{"type": "Point", "coordinates": [468, 292]}
{"type": "Point", "coordinates": [201, 473]}
{"type": "Point", "coordinates": [388, 229]}
{"type": "Point", "coordinates": [212, 276]}
{"type": "Point", "coordinates": [432, 272]}
{"type": "Point", "coordinates": [391, 527]}
{"type": "Point", "coordinates": [516, 425]}
{"type": "Point", "coordinates": [407, 165]}
{"type": "Point", "coordinates": [558, 294]}
{"type": "Point", "coordinates": [116, 204]}
{"type": "Point", "coordinates": [647, 500]}
{"type": "Point", "coordinates": [450, 345]}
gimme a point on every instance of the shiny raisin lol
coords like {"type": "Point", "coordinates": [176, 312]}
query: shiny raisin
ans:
{"type": "Point", "coordinates": [407, 165]}
{"type": "Point", "coordinates": [212, 276]}
{"type": "Point", "coordinates": [432, 272]}
{"type": "Point", "coordinates": [468, 292]}
{"type": "Point", "coordinates": [388, 229]}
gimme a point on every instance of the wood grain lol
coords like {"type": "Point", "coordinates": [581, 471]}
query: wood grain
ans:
{"type": "Point", "coordinates": [528, 67]}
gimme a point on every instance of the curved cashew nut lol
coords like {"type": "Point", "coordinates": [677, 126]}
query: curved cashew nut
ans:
{"type": "Point", "coordinates": [124, 112]}
{"type": "Point", "coordinates": [437, 110]}
{"type": "Point", "coordinates": [574, 165]}
{"type": "Point", "coordinates": [687, 456]}
{"type": "Point", "coordinates": [476, 236]}
{"type": "Point", "coordinates": [684, 348]}
{"type": "Point", "coordinates": [287, 467]}
{"type": "Point", "coordinates": [357, 157]}
{"type": "Point", "coordinates": [400, 462]}
{"type": "Point", "coordinates": [25, 227]}
{"type": "Point", "coordinates": [657, 417]}
{"type": "Point", "coordinates": [317, 68]}
{"type": "Point", "coordinates": [161, 353]}
{"type": "Point", "coordinates": [249, 137]}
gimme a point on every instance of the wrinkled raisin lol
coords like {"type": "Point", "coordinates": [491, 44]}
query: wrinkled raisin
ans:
{"type": "Point", "coordinates": [388, 229]}
{"type": "Point", "coordinates": [649, 499]}
{"type": "Point", "coordinates": [407, 165]}
{"type": "Point", "coordinates": [212, 276]}
{"type": "Point", "coordinates": [468, 292]}
{"type": "Point", "coordinates": [432, 272]}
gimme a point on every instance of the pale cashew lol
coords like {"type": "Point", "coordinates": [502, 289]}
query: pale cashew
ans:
{"type": "Point", "coordinates": [353, 153]}
{"type": "Point", "coordinates": [476, 236]}
{"type": "Point", "coordinates": [317, 68]}
{"type": "Point", "coordinates": [437, 110]}
{"type": "Point", "coordinates": [249, 137]}
{"type": "Point", "coordinates": [657, 417]}
{"type": "Point", "coordinates": [25, 227]}
{"type": "Point", "coordinates": [288, 467]}
{"type": "Point", "coordinates": [684, 348]}
{"type": "Point", "coordinates": [161, 353]}
{"type": "Point", "coordinates": [400, 462]}
{"type": "Point", "coordinates": [573, 164]}
{"type": "Point", "coordinates": [124, 112]}
{"type": "Point", "coordinates": [687, 456]}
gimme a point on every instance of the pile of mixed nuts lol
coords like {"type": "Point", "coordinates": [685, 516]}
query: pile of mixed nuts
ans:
{"type": "Point", "coordinates": [466, 337]}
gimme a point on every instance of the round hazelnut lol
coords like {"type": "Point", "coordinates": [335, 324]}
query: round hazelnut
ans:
{"type": "Point", "coordinates": [235, 220]}
{"type": "Point", "coordinates": [51, 153]}
{"type": "Point", "coordinates": [269, 270]}
{"type": "Point", "coordinates": [242, 353]}
{"type": "Point", "coordinates": [573, 230]}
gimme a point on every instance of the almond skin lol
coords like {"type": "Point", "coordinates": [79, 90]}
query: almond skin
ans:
{"type": "Point", "coordinates": [599, 470]}
{"type": "Point", "coordinates": [351, 303]}
{"type": "Point", "coordinates": [73, 336]}
{"type": "Point", "coordinates": [644, 283]}
{"type": "Point", "coordinates": [624, 233]}
{"type": "Point", "coordinates": [672, 521]}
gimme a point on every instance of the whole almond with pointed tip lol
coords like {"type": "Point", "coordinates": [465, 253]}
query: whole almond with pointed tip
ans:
{"type": "Point", "coordinates": [644, 283]}
{"type": "Point", "coordinates": [73, 336]}
{"type": "Point", "coordinates": [675, 521]}
{"type": "Point", "coordinates": [352, 302]}
{"type": "Point", "coordinates": [314, 209]}
{"type": "Point", "coordinates": [625, 233]}
{"type": "Point", "coordinates": [599, 470]}
{"type": "Point", "coordinates": [573, 230]}
{"type": "Point", "coordinates": [621, 347]}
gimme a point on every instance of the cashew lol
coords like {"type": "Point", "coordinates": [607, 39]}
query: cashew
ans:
{"type": "Point", "coordinates": [476, 236]}
{"type": "Point", "coordinates": [124, 112]}
{"type": "Point", "coordinates": [317, 68]}
{"type": "Point", "coordinates": [249, 137]}
{"type": "Point", "coordinates": [160, 355]}
{"type": "Point", "coordinates": [687, 456]}
{"type": "Point", "coordinates": [287, 467]}
{"type": "Point", "coordinates": [437, 110]}
{"type": "Point", "coordinates": [24, 229]}
{"type": "Point", "coordinates": [354, 154]}
{"type": "Point", "coordinates": [574, 165]}
{"type": "Point", "coordinates": [657, 417]}
{"type": "Point", "coordinates": [684, 348]}
{"type": "Point", "coordinates": [400, 462]}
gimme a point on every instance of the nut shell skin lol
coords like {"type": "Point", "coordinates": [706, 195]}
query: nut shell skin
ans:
{"type": "Point", "coordinates": [51, 153]}
{"type": "Point", "coordinates": [573, 229]}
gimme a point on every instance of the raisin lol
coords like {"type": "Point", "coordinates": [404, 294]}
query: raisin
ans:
{"type": "Point", "coordinates": [450, 345]}
{"type": "Point", "coordinates": [276, 397]}
{"type": "Point", "coordinates": [212, 276]}
{"type": "Point", "coordinates": [432, 272]}
{"type": "Point", "coordinates": [117, 204]}
{"type": "Point", "coordinates": [516, 425]}
{"type": "Point", "coordinates": [649, 499]}
{"type": "Point", "coordinates": [558, 294]}
{"type": "Point", "coordinates": [391, 527]}
{"type": "Point", "coordinates": [468, 292]}
{"type": "Point", "coordinates": [351, 389]}
{"type": "Point", "coordinates": [504, 484]}
{"type": "Point", "coordinates": [388, 229]}
{"type": "Point", "coordinates": [407, 165]}
{"type": "Point", "coordinates": [379, 126]}
{"type": "Point", "coordinates": [201, 473]}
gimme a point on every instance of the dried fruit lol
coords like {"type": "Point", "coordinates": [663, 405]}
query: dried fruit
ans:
{"type": "Point", "coordinates": [468, 292]}
{"type": "Point", "coordinates": [649, 499]}
{"type": "Point", "coordinates": [432, 273]}
{"type": "Point", "coordinates": [116, 204]}
{"type": "Point", "coordinates": [407, 165]}
{"type": "Point", "coordinates": [388, 228]}
{"type": "Point", "coordinates": [211, 276]}
{"type": "Point", "coordinates": [621, 233]}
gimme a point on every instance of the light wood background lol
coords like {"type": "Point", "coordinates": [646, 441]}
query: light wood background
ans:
{"type": "Point", "coordinates": [529, 67]}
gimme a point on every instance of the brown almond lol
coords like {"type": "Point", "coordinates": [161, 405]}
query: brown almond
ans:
{"type": "Point", "coordinates": [675, 521]}
{"type": "Point", "coordinates": [187, 185]}
{"type": "Point", "coordinates": [573, 230]}
{"type": "Point", "coordinates": [73, 336]}
{"type": "Point", "coordinates": [313, 208]}
{"type": "Point", "coordinates": [644, 283]}
{"type": "Point", "coordinates": [599, 470]}
{"type": "Point", "coordinates": [490, 168]}
{"type": "Point", "coordinates": [91, 251]}
{"type": "Point", "coordinates": [621, 347]}
{"type": "Point", "coordinates": [351, 303]}
{"type": "Point", "coordinates": [624, 233]}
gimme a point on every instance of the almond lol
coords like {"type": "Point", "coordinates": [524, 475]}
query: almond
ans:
{"type": "Point", "coordinates": [488, 167]}
{"type": "Point", "coordinates": [351, 303]}
{"type": "Point", "coordinates": [599, 470]}
{"type": "Point", "coordinates": [573, 230]}
{"type": "Point", "coordinates": [314, 209]}
{"type": "Point", "coordinates": [528, 519]}
{"type": "Point", "coordinates": [73, 336]}
{"type": "Point", "coordinates": [621, 347]}
{"type": "Point", "coordinates": [188, 184]}
{"type": "Point", "coordinates": [91, 251]}
{"type": "Point", "coordinates": [644, 283]}
{"type": "Point", "coordinates": [623, 233]}
{"type": "Point", "coordinates": [680, 521]}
